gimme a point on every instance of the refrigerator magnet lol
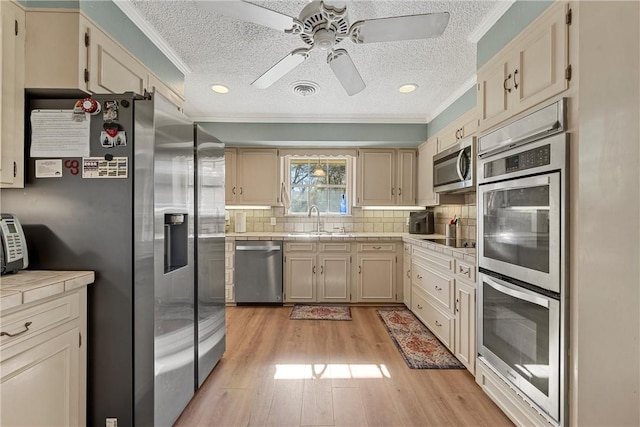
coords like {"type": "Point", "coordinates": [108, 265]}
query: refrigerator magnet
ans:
{"type": "Point", "coordinates": [49, 168]}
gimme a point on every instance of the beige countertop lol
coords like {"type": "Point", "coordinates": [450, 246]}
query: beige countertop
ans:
{"type": "Point", "coordinates": [28, 286]}
{"type": "Point", "coordinates": [467, 254]}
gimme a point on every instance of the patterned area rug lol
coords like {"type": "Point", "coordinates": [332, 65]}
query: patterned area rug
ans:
{"type": "Point", "coordinates": [320, 312]}
{"type": "Point", "coordinates": [418, 346]}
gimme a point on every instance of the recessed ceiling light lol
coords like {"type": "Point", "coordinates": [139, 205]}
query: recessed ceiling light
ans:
{"type": "Point", "coordinates": [220, 89]}
{"type": "Point", "coordinates": [408, 88]}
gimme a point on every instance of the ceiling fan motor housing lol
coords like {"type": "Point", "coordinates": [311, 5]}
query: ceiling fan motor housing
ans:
{"type": "Point", "coordinates": [323, 25]}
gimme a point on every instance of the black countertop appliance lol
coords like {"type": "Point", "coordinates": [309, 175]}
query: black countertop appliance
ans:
{"type": "Point", "coordinates": [422, 222]}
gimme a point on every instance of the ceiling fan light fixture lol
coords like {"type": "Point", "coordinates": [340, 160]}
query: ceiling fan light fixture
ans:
{"type": "Point", "coordinates": [218, 88]}
{"type": "Point", "coordinates": [408, 88]}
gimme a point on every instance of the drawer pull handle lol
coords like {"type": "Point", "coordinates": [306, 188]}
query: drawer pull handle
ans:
{"type": "Point", "coordinates": [26, 328]}
{"type": "Point", "coordinates": [377, 247]}
{"type": "Point", "coordinates": [419, 307]}
{"type": "Point", "coordinates": [314, 269]}
{"type": "Point", "coordinates": [438, 289]}
{"type": "Point", "coordinates": [359, 269]}
{"type": "Point", "coordinates": [438, 324]}
{"type": "Point", "coordinates": [419, 277]}
{"type": "Point", "coordinates": [321, 269]}
{"type": "Point", "coordinates": [409, 274]}
{"type": "Point", "coordinates": [465, 270]}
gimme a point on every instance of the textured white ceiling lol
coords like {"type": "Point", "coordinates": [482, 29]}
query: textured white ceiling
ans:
{"type": "Point", "coordinates": [224, 50]}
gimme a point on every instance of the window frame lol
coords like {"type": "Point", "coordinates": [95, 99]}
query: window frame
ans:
{"type": "Point", "coordinates": [347, 187]}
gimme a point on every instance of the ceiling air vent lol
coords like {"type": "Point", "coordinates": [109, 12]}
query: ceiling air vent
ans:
{"type": "Point", "coordinates": [304, 88]}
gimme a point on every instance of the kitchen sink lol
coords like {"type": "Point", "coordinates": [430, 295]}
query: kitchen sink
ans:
{"type": "Point", "coordinates": [319, 234]}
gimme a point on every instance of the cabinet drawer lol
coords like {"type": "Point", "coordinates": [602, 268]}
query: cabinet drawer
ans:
{"type": "Point", "coordinates": [377, 247]}
{"type": "Point", "coordinates": [300, 247]}
{"type": "Point", "coordinates": [440, 323]}
{"type": "Point", "coordinates": [433, 258]}
{"type": "Point", "coordinates": [465, 271]}
{"type": "Point", "coordinates": [39, 317]}
{"type": "Point", "coordinates": [438, 285]}
{"type": "Point", "coordinates": [335, 247]}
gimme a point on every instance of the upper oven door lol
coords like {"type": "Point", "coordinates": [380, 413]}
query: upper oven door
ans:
{"type": "Point", "coordinates": [454, 168]}
{"type": "Point", "coordinates": [519, 229]}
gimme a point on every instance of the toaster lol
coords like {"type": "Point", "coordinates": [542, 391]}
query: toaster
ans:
{"type": "Point", "coordinates": [421, 222]}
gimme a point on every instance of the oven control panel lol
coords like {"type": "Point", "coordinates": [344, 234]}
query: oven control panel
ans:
{"type": "Point", "coordinates": [540, 156]}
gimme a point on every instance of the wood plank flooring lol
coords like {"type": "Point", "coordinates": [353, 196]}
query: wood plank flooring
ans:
{"type": "Point", "coordinates": [281, 372]}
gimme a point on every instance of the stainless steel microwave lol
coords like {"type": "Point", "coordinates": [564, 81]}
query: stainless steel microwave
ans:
{"type": "Point", "coordinates": [454, 168]}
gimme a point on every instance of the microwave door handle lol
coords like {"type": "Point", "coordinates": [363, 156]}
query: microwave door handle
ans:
{"type": "Point", "coordinates": [516, 294]}
{"type": "Point", "coordinates": [459, 166]}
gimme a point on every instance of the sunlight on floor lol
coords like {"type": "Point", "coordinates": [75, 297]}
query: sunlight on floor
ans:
{"type": "Point", "coordinates": [330, 371]}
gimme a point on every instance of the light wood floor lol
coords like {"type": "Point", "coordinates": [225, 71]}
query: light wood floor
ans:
{"type": "Point", "coordinates": [281, 372]}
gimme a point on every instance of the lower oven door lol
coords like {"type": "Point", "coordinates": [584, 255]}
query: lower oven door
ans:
{"type": "Point", "coordinates": [519, 337]}
{"type": "Point", "coordinates": [519, 229]}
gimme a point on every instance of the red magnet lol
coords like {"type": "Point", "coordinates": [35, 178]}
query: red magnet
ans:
{"type": "Point", "coordinates": [91, 106]}
{"type": "Point", "coordinates": [111, 129]}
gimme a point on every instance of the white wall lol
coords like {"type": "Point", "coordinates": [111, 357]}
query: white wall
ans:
{"type": "Point", "coordinates": [605, 272]}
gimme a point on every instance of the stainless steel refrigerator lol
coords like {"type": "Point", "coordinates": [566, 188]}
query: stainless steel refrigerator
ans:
{"type": "Point", "coordinates": [145, 210]}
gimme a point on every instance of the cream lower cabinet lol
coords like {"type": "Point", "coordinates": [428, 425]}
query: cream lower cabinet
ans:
{"type": "Point", "coordinates": [443, 297]}
{"type": "Point", "coordinates": [376, 272]}
{"type": "Point", "coordinates": [12, 65]}
{"type": "Point", "coordinates": [317, 272]}
{"type": "Point", "coordinates": [529, 70]}
{"type": "Point", "coordinates": [43, 380]}
{"type": "Point", "coordinates": [406, 275]}
{"type": "Point", "coordinates": [229, 264]}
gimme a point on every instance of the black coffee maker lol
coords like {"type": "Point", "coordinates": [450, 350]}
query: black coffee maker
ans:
{"type": "Point", "coordinates": [422, 222]}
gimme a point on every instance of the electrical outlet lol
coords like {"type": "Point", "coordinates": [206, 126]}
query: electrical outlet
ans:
{"type": "Point", "coordinates": [112, 422]}
{"type": "Point", "coordinates": [273, 220]}
{"type": "Point", "coordinates": [407, 223]}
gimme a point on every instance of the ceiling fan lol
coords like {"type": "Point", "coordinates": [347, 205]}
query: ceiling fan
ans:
{"type": "Point", "coordinates": [323, 26]}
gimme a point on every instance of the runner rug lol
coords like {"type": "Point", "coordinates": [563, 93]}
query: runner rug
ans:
{"type": "Point", "coordinates": [320, 312]}
{"type": "Point", "coordinates": [417, 345]}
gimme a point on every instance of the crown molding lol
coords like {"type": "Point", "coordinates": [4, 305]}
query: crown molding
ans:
{"type": "Point", "coordinates": [148, 30]}
{"type": "Point", "coordinates": [490, 20]}
{"type": "Point", "coordinates": [471, 82]}
{"type": "Point", "coordinates": [284, 118]}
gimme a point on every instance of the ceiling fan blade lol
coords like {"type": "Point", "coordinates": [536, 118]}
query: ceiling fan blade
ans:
{"type": "Point", "coordinates": [249, 12]}
{"type": "Point", "coordinates": [346, 71]}
{"type": "Point", "coordinates": [411, 27]}
{"type": "Point", "coordinates": [278, 71]}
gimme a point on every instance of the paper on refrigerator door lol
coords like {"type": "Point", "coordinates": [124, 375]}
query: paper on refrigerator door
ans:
{"type": "Point", "coordinates": [55, 133]}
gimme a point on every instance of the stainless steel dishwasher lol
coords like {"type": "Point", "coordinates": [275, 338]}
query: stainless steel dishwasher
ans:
{"type": "Point", "coordinates": [258, 272]}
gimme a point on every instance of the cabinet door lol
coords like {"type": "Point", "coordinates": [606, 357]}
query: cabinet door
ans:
{"type": "Point", "coordinates": [257, 177]}
{"type": "Point", "coordinates": [334, 284]}
{"type": "Point", "coordinates": [300, 277]}
{"type": "Point", "coordinates": [230, 190]}
{"type": "Point", "coordinates": [12, 104]}
{"type": "Point", "coordinates": [406, 283]}
{"type": "Point", "coordinates": [377, 278]}
{"type": "Point", "coordinates": [494, 80]}
{"type": "Point", "coordinates": [41, 382]}
{"type": "Point", "coordinates": [376, 177]}
{"type": "Point", "coordinates": [426, 195]}
{"type": "Point", "coordinates": [406, 182]}
{"type": "Point", "coordinates": [465, 336]}
{"type": "Point", "coordinates": [541, 59]}
{"type": "Point", "coordinates": [111, 68]}
{"type": "Point", "coordinates": [157, 85]}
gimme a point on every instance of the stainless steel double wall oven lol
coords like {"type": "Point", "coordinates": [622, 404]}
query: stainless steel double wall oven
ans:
{"type": "Point", "coordinates": [522, 252]}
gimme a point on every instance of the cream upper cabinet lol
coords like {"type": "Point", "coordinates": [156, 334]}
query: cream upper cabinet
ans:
{"type": "Point", "coordinates": [426, 151]}
{"type": "Point", "coordinates": [386, 177]}
{"type": "Point", "coordinates": [532, 68]}
{"type": "Point", "coordinates": [463, 127]}
{"type": "Point", "coordinates": [65, 50]}
{"type": "Point", "coordinates": [12, 66]}
{"type": "Point", "coordinates": [252, 176]}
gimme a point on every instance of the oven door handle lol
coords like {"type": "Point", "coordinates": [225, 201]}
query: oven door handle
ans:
{"type": "Point", "coordinates": [458, 165]}
{"type": "Point", "coordinates": [516, 294]}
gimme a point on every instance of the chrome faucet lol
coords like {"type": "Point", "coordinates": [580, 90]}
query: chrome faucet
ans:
{"type": "Point", "coordinates": [312, 207]}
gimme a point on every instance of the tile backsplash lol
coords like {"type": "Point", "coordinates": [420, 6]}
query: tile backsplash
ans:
{"type": "Point", "coordinates": [360, 221]}
{"type": "Point", "coordinates": [467, 214]}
